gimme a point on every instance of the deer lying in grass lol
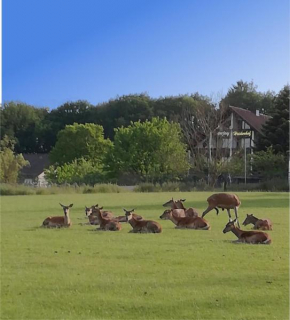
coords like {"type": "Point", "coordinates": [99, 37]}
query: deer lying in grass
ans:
{"type": "Point", "coordinates": [254, 237]}
{"type": "Point", "coordinates": [223, 201]}
{"type": "Point", "coordinates": [59, 221]}
{"type": "Point", "coordinates": [142, 226]}
{"type": "Point", "coordinates": [179, 209]}
{"type": "Point", "coordinates": [197, 223]}
{"type": "Point", "coordinates": [259, 224]}
{"type": "Point", "coordinates": [93, 217]}
{"type": "Point", "coordinates": [106, 224]}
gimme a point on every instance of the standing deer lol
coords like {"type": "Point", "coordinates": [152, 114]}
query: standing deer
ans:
{"type": "Point", "coordinates": [262, 224]}
{"type": "Point", "coordinates": [179, 209]}
{"type": "Point", "coordinates": [223, 201]}
{"type": "Point", "coordinates": [197, 223]}
{"type": "Point", "coordinates": [106, 224]}
{"type": "Point", "coordinates": [142, 226]}
{"type": "Point", "coordinates": [254, 237]}
{"type": "Point", "coordinates": [59, 221]}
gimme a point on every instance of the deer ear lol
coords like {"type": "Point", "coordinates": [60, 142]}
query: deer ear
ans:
{"type": "Point", "coordinates": [101, 208]}
{"type": "Point", "coordinates": [133, 210]}
{"type": "Point", "coordinates": [251, 214]}
{"type": "Point", "coordinates": [61, 204]}
{"type": "Point", "coordinates": [70, 205]}
{"type": "Point", "coordinates": [124, 209]}
{"type": "Point", "coordinates": [182, 200]}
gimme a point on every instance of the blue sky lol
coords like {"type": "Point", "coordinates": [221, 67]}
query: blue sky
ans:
{"type": "Point", "coordinates": [54, 51]}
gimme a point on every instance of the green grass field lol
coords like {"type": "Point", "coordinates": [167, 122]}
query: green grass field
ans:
{"type": "Point", "coordinates": [79, 273]}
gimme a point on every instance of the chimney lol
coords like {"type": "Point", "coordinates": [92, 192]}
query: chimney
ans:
{"type": "Point", "coordinates": [257, 113]}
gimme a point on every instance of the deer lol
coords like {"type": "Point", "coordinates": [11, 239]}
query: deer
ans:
{"type": "Point", "coordinates": [254, 237]}
{"type": "Point", "coordinates": [142, 226]}
{"type": "Point", "coordinates": [259, 224]}
{"type": "Point", "coordinates": [59, 221]}
{"type": "Point", "coordinates": [93, 217]}
{"type": "Point", "coordinates": [106, 224]}
{"type": "Point", "coordinates": [223, 201]}
{"type": "Point", "coordinates": [179, 209]}
{"type": "Point", "coordinates": [197, 223]}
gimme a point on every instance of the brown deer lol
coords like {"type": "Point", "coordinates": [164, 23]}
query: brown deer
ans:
{"type": "Point", "coordinates": [179, 209]}
{"type": "Point", "coordinates": [59, 221]}
{"type": "Point", "coordinates": [142, 226]}
{"type": "Point", "coordinates": [106, 224]}
{"type": "Point", "coordinates": [260, 224]}
{"type": "Point", "coordinates": [93, 217]}
{"type": "Point", "coordinates": [197, 223]}
{"type": "Point", "coordinates": [223, 201]}
{"type": "Point", "coordinates": [254, 237]}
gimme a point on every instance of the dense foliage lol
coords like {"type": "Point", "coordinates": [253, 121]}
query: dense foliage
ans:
{"type": "Point", "coordinates": [152, 150]}
{"type": "Point", "coordinates": [276, 129]}
{"type": "Point", "coordinates": [10, 163]}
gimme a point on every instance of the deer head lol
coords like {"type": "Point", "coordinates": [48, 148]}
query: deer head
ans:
{"type": "Point", "coordinates": [229, 226]}
{"type": "Point", "coordinates": [66, 208]}
{"type": "Point", "coordinates": [128, 214]}
{"type": "Point", "coordinates": [166, 214]}
{"type": "Point", "coordinates": [168, 203]}
{"type": "Point", "coordinates": [249, 219]}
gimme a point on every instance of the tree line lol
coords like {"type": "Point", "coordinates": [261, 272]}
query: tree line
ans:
{"type": "Point", "coordinates": [136, 134]}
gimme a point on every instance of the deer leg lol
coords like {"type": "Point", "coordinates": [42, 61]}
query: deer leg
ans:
{"type": "Point", "coordinates": [229, 214]}
{"type": "Point", "coordinates": [206, 211]}
{"type": "Point", "coordinates": [236, 214]}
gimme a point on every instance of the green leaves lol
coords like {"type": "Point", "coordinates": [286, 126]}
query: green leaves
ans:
{"type": "Point", "coordinates": [151, 150]}
{"type": "Point", "coordinates": [80, 141]}
{"type": "Point", "coordinates": [10, 163]}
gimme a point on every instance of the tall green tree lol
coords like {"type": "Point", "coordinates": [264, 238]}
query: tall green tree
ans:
{"type": "Point", "coordinates": [151, 150]}
{"type": "Point", "coordinates": [23, 123]}
{"type": "Point", "coordinates": [10, 163]}
{"type": "Point", "coordinates": [80, 141]}
{"type": "Point", "coordinates": [276, 129]}
{"type": "Point", "coordinates": [245, 95]}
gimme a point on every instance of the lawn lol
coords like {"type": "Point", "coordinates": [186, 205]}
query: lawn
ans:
{"type": "Point", "coordinates": [80, 273]}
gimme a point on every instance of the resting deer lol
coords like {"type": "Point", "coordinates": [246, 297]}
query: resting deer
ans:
{"type": "Point", "coordinates": [142, 226]}
{"type": "Point", "coordinates": [247, 236]}
{"type": "Point", "coordinates": [223, 201]}
{"type": "Point", "coordinates": [179, 209]}
{"type": "Point", "coordinates": [93, 217]}
{"type": "Point", "coordinates": [262, 224]}
{"type": "Point", "coordinates": [197, 223]}
{"type": "Point", "coordinates": [107, 224]}
{"type": "Point", "coordinates": [59, 221]}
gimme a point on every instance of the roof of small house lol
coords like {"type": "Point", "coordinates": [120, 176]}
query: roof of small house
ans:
{"type": "Point", "coordinates": [38, 162]}
{"type": "Point", "coordinates": [253, 121]}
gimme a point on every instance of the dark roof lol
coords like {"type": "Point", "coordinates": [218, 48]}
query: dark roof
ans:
{"type": "Point", "coordinates": [38, 162]}
{"type": "Point", "coordinates": [252, 120]}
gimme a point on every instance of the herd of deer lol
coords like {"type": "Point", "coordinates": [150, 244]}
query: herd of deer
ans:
{"type": "Point", "coordinates": [178, 214]}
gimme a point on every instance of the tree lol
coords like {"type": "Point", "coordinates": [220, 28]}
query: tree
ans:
{"type": "Point", "coordinates": [80, 141]}
{"type": "Point", "coordinates": [10, 163]}
{"type": "Point", "coordinates": [78, 171]}
{"type": "Point", "coordinates": [245, 95]}
{"type": "Point", "coordinates": [121, 112]}
{"type": "Point", "coordinates": [269, 164]}
{"type": "Point", "coordinates": [152, 150]}
{"type": "Point", "coordinates": [23, 123]}
{"type": "Point", "coordinates": [275, 132]}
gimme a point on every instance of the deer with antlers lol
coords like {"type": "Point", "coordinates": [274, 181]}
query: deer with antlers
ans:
{"type": "Point", "coordinates": [223, 201]}
{"type": "Point", "coordinates": [259, 224]}
{"type": "Point", "coordinates": [59, 221]}
{"type": "Point", "coordinates": [196, 223]}
{"type": "Point", "coordinates": [142, 226]}
{"type": "Point", "coordinates": [254, 237]}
